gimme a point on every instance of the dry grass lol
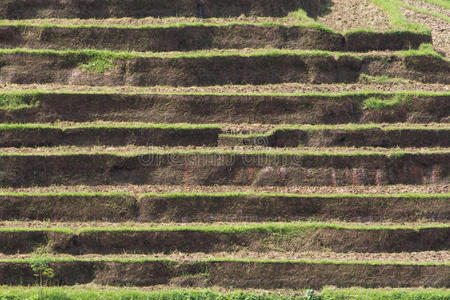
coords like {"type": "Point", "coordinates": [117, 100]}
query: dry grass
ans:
{"type": "Point", "coordinates": [404, 257]}
{"type": "Point", "coordinates": [285, 88]}
{"type": "Point", "coordinates": [236, 150]}
{"type": "Point", "coordinates": [300, 190]}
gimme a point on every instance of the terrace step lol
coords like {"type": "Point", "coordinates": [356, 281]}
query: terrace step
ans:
{"type": "Point", "coordinates": [37, 106]}
{"type": "Point", "coordinates": [115, 135]}
{"type": "Point", "coordinates": [94, 67]}
{"type": "Point", "coordinates": [199, 35]}
{"type": "Point", "coordinates": [23, 9]}
{"type": "Point", "coordinates": [322, 136]}
{"type": "Point", "coordinates": [230, 273]}
{"type": "Point", "coordinates": [275, 237]}
{"type": "Point", "coordinates": [92, 134]}
{"type": "Point", "coordinates": [71, 166]}
{"type": "Point", "coordinates": [252, 206]}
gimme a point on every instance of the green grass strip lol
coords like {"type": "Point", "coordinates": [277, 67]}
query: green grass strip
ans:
{"type": "Point", "coordinates": [312, 128]}
{"type": "Point", "coordinates": [67, 293]}
{"type": "Point", "coordinates": [32, 126]}
{"type": "Point", "coordinates": [106, 54]}
{"type": "Point", "coordinates": [392, 7]}
{"type": "Point", "coordinates": [268, 228]}
{"type": "Point", "coordinates": [442, 3]}
{"type": "Point", "coordinates": [57, 259]}
{"type": "Point", "coordinates": [7, 126]}
{"type": "Point", "coordinates": [425, 11]}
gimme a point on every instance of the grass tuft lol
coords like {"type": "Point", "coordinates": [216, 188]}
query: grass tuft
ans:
{"type": "Point", "coordinates": [374, 103]}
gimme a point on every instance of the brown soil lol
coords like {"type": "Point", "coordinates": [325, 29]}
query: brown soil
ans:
{"type": "Point", "coordinates": [185, 38]}
{"type": "Point", "coordinates": [148, 242]}
{"type": "Point", "coordinates": [279, 208]}
{"type": "Point", "coordinates": [108, 136]}
{"type": "Point", "coordinates": [224, 169]}
{"type": "Point", "coordinates": [439, 29]}
{"type": "Point", "coordinates": [221, 208]}
{"type": "Point", "coordinates": [120, 136]}
{"type": "Point", "coordinates": [348, 15]}
{"type": "Point", "coordinates": [20, 9]}
{"type": "Point", "coordinates": [188, 38]}
{"type": "Point", "coordinates": [289, 20]}
{"type": "Point", "coordinates": [237, 274]}
{"type": "Point", "coordinates": [26, 68]}
{"type": "Point", "coordinates": [225, 109]}
{"type": "Point", "coordinates": [345, 138]}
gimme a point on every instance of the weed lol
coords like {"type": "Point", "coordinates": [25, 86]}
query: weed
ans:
{"type": "Point", "coordinates": [40, 264]}
{"type": "Point", "coordinates": [98, 64]}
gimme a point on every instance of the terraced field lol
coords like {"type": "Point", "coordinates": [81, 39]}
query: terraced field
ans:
{"type": "Point", "coordinates": [187, 149]}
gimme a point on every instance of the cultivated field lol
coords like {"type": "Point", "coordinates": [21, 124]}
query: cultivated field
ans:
{"type": "Point", "coordinates": [235, 149]}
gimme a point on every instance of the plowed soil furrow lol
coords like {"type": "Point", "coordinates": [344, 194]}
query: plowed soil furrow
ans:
{"type": "Point", "coordinates": [364, 15]}
{"type": "Point", "coordinates": [428, 6]}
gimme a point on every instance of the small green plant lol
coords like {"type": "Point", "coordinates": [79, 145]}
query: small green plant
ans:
{"type": "Point", "coordinates": [99, 64]}
{"type": "Point", "coordinates": [310, 295]}
{"type": "Point", "coordinates": [40, 264]}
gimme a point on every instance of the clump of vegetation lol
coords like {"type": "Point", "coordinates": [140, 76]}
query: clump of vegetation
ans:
{"type": "Point", "coordinates": [374, 103]}
{"type": "Point", "coordinates": [16, 101]}
{"type": "Point", "coordinates": [40, 264]}
{"type": "Point", "coordinates": [424, 49]}
{"type": "Point", "coordinates": [98, 63]}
